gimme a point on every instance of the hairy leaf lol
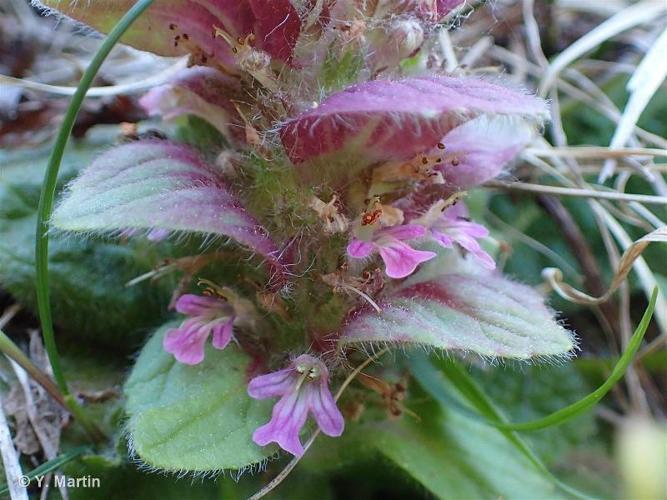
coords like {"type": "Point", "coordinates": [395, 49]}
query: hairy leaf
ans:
{"type": "Point", "coordinates": [484, 314]}
{"type": "Point", "coordinates": [178, 27]}
{"type": "Point", "coordinates": [193, 418]}
{"type": "Point", "coordinates": [156, 185]}
{"type": "Point", "coordinates": [385, 120]}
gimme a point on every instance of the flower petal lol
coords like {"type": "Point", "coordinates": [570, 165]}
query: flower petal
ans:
{"type": "Point", "coordinates": [442, 239]}
{"type": "Point", "coordinates": [272, 384]}
{"type": "Point", "coordinates": [197, 305]}
{"type": "Point", "coordinates": [471, 229]}
{"type": "Point", "coordinates": [403, 232]}
{"type": "Point", "coordinates": [359, 249]}
{"type": "Point", "coordinates": [324, 410]}
{"type": "Point", "coordinates": [472, 246]}
{"type": "Point", "coordinates": [288, 417]}
{"type": "Point", "coordinates": [401, 260]}
{"type": "Point", "coordinates": [222, 333]}
{"type": "Point", "coordinates": [187, 342]}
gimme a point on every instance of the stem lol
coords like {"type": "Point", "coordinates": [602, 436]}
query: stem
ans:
{"type": "Point", "coordinates": [11, 350]}
{"type": "Point", "coordinates": [48, 194]}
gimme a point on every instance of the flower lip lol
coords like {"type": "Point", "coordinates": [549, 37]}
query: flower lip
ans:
{"type": "Point", "coordinates": [448, 223]}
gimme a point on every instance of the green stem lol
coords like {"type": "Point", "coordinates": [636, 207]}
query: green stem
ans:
{"type": "Point", "coordinates": [11, 350]}
{"type": "Point", "coordinates": [48, 194]}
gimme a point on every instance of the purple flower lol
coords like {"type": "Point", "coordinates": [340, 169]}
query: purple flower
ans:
{"type": "Point", "coordinates": [449, 225]}
{"type": "Point", "coordinates": [207, 315]}
{"type": "Point", "coordinates": [400, 259]}
{"type": "Point", "coordinates": [303, 388]}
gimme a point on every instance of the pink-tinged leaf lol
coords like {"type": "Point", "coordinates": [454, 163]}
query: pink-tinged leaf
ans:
{"type": "Point", "coordinates": [485, 314]}
{"type": "Point", "coordinates": [179, 27]}
{"type": "Point", "coordinates": [201, 91]}
{"type": "Point", "coordinates": [156, 184]}
{"type": "Point", "coordinates": [384, 120]}
{"type": "Point", "coordinates": [276, 27]}
{"type": "Point", "coordinates": [479, 149]}
{"type": "Point", "coordinates": [444, 7]}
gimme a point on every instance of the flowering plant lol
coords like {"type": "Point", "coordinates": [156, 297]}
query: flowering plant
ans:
{"type": "Point", "coordinates": [325, 237]}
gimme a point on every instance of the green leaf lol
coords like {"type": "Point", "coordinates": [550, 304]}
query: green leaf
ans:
{"type": "Point", "coordinates": [193, 418]}
{"type": "Point", "coordinates": [485, 314]}
{"type": "Point", "coordinates": [89, 296]}
{"type": "Point", "coordinates": [456, 457]}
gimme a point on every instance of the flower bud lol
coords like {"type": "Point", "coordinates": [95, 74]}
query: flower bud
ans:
{"type": "Point", "coordinates": [390, 46]}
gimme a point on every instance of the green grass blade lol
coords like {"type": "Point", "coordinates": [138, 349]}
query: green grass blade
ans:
{"type": "Point", "coordinates": [430, 378]}
{"type": "Point", "coordinates": [484, 406]}
{"type": "Point", "coordinates": [49, 187]}
{"type": "Point", "coordinates": [587, 402]}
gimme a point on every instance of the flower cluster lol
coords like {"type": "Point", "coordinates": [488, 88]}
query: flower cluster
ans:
{"type": "Point", "coordinates": [393, 147]}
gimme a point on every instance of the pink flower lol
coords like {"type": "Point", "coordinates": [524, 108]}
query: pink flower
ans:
{"type": "Point", "coordinates": [303, 387]}
{"type": "Point", "coordinates": [400, 259]}
{"type": "Point", "coordinates": [207, 315]}
{"type": "Point", "coordinates": [449, 225]}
